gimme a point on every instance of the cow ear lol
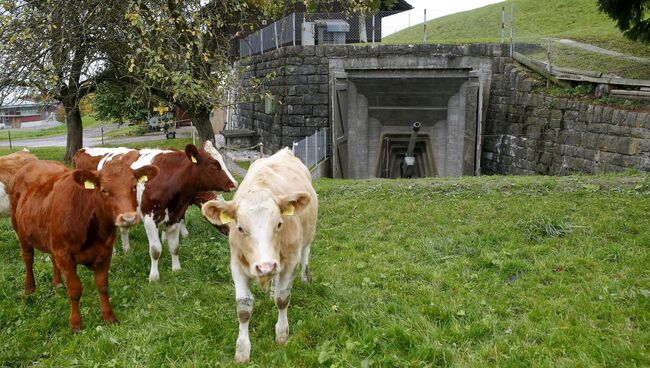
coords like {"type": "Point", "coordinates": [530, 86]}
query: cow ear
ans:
{"type": "Point", "coordinates": [293, 203]}
{"type": "Point", "coordinates": [146, 173]}
{"type": "Point", "coordinates": [86, 179]}
{"type": "Point", "coordinates": [192, 153]}
{"type": "Point", "coordinates": [218, 211]}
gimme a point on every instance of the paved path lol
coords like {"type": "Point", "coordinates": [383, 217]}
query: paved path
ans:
{"type": "Point", "coordinates": [92, 137]}
{"type": "Point", "coordinates": [600, 50]}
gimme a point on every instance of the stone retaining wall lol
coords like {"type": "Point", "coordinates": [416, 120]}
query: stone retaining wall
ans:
{"type": "Point", "coordinates": [532, 133]}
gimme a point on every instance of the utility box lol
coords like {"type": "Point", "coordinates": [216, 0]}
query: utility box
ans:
{"type": "Point", "coordinates": [308, 34]}
{"type": "Point", "coordinates": [332, 31]}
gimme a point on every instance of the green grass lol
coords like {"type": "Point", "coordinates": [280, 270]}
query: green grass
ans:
{"type": "Point", "coordinates": [534, 21]}
{"type": "Point", "coordinates": [57, 153]}
{"type": "Point", "coordinates": [87, 121]}
{"type": "Point", "coordinates": [127, 131]}
{"type": "Point", "coordinates": [470, 272]}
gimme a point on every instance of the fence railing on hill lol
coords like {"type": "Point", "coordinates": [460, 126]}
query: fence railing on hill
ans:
{"type": "Point", "coordinates": [315, 29]}
{"type": "Point", "coordinates": [313, 149]}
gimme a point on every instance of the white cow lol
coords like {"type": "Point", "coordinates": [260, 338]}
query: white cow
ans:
{"type": "Point", "coordinates": [272, 222]}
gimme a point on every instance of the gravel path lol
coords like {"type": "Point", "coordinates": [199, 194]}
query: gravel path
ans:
{"type": "Point", "coordinates": [600, 50]}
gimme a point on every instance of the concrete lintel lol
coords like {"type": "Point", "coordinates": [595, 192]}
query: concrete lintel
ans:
{"type": "Point", "coordinates": [409, 73]}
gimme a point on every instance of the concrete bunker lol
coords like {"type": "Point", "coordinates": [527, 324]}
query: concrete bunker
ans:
{"type": "Point", "coordinates": [374, 111]}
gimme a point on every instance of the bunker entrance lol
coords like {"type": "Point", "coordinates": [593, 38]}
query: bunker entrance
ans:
{"type": "Point", "coordinates": [373, 116]}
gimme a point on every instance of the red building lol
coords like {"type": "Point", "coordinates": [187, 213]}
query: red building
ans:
{"type": "Point", "coordinates": [15, 111]}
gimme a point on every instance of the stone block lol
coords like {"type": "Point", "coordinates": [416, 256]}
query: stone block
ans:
{"type": "Point", "coordinates": [627, 146]}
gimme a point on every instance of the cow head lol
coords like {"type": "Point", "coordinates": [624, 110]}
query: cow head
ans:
{"type": "Point", "coordinates": [259, 223]}
{"type": "Point", "coordinates": [212, 173]}
{"type": "Point", "coordinates": [115, 185]}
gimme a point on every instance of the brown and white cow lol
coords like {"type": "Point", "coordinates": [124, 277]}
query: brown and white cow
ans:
{"type": "Point", "coordinates": [73, 214]}
{"type": "Point", "coordinates": [9, 165]}
{"type": "Point", "coordinates": [272, 221]}
{"type": "Point", "coordinates": [162, 202]}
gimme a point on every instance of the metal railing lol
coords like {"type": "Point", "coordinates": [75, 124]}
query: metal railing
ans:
{"type": "Point", "coordinates": [313, 149]}
{"type": "Point", "coordinates": [319, 28]}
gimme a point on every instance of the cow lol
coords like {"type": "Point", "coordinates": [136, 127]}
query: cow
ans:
{"type": "Point", "coordinates": [9, 165]}
{"type": "Point", "coordinates": [162, 202]}
{"type": "Point", "coordinates": [73, 214]}
{"type": "Point", "coordinates": [272, 222]}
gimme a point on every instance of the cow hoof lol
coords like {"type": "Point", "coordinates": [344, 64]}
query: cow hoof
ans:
{"type": "Point", "coordinates": [154, 277]}
{"type": "Point", "coordinates": [76, 330]}
{"type": "Point", "coordinates": [176, 269]}
{"type": "Point", "coordinates": [241, 359]}
{"type": "Point", "coordinates": [125, 250]}
{"type": "Point", "coordinates": [281, 335]}
{"type": "Point", "coordinates": [30, 290]}
{"type": "Point", "coordinates": [111, 320]}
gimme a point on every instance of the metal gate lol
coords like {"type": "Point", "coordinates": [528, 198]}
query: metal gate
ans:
{"type": "Point", "coordinates": [340, 125]}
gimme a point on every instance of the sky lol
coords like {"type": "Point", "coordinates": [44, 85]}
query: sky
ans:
{"type": "Point", "coordinates": [435, 9]}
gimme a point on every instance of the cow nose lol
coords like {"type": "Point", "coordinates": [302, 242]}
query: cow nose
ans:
{"type": "Point", "coordinates": [233, 186]}
{"type": "Point", "coordinates": [265, 268]}
{"type": "Point", "coordinates": [127, 219]}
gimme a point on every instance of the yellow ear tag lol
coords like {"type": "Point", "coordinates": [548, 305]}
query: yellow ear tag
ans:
{"type": "Point", "coordinates": [194, 159]}
{"type": "Point", "coordinates": [224, 218]}
{"type": "Point", "coordinates": [288, 211]}
{"type": "Point", "coordinates": [143, 179]}
{"type": "Point", "coordinates": [89, 184]}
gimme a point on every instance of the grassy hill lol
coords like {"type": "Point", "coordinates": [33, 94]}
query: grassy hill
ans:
{"type": "Point", "coordinates": [579, 20]}
{"type": "Point", "coordinates": [469, 272]}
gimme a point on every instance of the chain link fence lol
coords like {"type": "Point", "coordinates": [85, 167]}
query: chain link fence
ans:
{"type": "Point", "coordinates": [315, 29]}
{"type": "Point", "coordinates": [313, 149]}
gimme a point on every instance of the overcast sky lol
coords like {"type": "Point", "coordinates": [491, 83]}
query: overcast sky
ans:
{"type": "Point", "coordinates": [435, 9]}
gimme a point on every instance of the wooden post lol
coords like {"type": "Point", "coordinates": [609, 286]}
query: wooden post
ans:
{"type": "Point", "coordinates": [373, 29]}
{"type": "Point", "coordinates": [512, 45]}
{"type": "Point", "coordinates": [102, 129]}
{"type": "Point", "coordinates": [10, 146]}
{"type": "Point", "coordinates": [275, 30]}
{"type": "Point", "coordinates": [548, 66]}
{"type": "Point", "coordinates": [425, 26]}
{"type": "Point", "coordinates": [261, 150]}
{"type": "Point", "coordinates": [503, 24]}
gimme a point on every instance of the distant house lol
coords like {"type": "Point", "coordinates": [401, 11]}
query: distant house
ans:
{"type": "Point", "coordinates": [323, 25]}
{"type": "Point", "coordinates": [14, 111]}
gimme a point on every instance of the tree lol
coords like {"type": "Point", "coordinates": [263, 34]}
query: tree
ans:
{"type": "Point", "coordinates": [631, 17]}
{"type": "Point", "coordinates": [174, 51]}
{"type": "Point", "coordinates": [52, 48]}
{"type": "Point", "coordinates": [178, 52]}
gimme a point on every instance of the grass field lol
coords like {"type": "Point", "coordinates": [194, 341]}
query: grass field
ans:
{"type": "Point", "coordinates": [470, 272]}
{"type": "Point", "coordinates": [57, 153]}
{"type": "Point", "coordinates": [534, 22]}
{"type": "Point", "coordinates": [87, 121]}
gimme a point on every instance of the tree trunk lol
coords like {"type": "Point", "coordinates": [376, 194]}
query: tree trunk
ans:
{"type": "Point", "coordinates": [75, 131]}
{"type": "Point", "coordinates": [202, 123]}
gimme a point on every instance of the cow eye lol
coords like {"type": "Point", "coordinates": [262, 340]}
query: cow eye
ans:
{"type": "Point", "coordinates": [279, 225]}
{"type": "Point", "coordinates": [105, 192]}
{"type": "Point", "coordinates": [241, 229]}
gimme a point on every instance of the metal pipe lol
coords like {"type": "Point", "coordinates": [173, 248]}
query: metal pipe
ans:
{"type": "Point", "coordinates": [409, 159]}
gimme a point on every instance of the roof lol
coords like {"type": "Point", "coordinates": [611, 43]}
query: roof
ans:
{"type": "Point", "coordinates": [400, 5]}
{"type": "Point", "coordinates": [335, 25]}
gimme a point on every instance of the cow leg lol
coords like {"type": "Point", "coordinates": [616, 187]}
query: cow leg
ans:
{"type": "Point", "coordinates": [244, 299]}
{"type": "Point", "coordinates": [282, 298]}
{"type": "Point", "coordinates": [304, 261]}
{"type": "Point", "coordinates": [183, 229]}
{"type": "Point", "coordinates": [57, 273]}
{"type": "Point", "coordinates": [74, 289]}
{"type": "Point", "coordinates": [155, 247]}
{"type": "Point", "coordinates": [173, 240]}
{"type": "Point", "coordinates": [27, 253]}
{"type": "Point", "coordinates": [101, 282]}
{"type": "Point", "coordinates": [124, 236]}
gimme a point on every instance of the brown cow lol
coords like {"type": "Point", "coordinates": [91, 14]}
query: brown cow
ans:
{"type": "Point", "coordinates": [272, 221]}
{"type": "Point", "coordinates": [9, 165]}
{"type": "Point", "coordinates": [162, 202]}
{"type": "Point", "coordinates": [73, 214]}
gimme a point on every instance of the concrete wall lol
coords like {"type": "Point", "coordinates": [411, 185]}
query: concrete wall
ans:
{"type": "Point", "coordinates": [532, 133]}
{"type": "Point", "coordinates": [302, 75]}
